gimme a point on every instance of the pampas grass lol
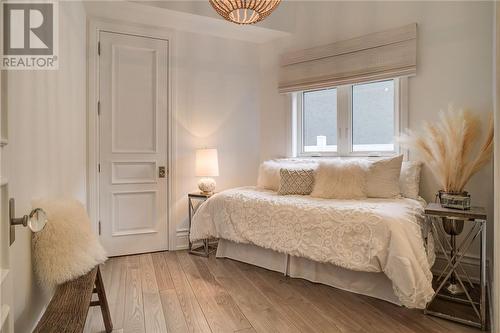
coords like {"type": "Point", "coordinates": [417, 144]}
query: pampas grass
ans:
{"type": "Point", "coordinates": [447, 147]}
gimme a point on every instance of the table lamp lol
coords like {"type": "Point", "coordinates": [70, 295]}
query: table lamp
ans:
{"type": "Point", "coordinates": [207, 165]}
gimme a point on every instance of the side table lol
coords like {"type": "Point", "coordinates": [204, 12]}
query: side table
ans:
{"type": "Point", "coordinates": [453, 285]}
{"type": "Point", "coordinates": [207, 246]}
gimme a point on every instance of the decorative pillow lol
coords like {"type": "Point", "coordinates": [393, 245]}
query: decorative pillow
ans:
{"type": "Point", "coordinates": [382, 180]}
{"type": "Point", "coordinates": [296, 181]}
{"type": "Point", "coordinates": [409, 180]}
{"type": "Point", "coordinates": [340, 179]}
{"type": "Point", "coordinates": [269, 171]}
{"type": "Point", "coordinates": [269, 175]}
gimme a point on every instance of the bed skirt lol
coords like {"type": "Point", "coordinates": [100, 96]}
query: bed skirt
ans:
{"type": "Point", "coordinates": [371, 284]}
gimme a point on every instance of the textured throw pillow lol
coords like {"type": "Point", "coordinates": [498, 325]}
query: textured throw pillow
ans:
{"type": "Point", "coordinates": [296, 181]}
{"type": "Point", "coordinates": [269, 175]}
{"type": "Point", "coordinates": [382, 180]}
{"type": "Point", "coordinates": [340, 179]}
{"type": "Point", "coordinates": [409, 180]}
{"type": "Point", "coordinates": [269, 171]}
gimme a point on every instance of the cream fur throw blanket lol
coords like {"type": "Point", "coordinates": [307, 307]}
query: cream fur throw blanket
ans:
{"type": "Point", "coordinates": [66, 248]}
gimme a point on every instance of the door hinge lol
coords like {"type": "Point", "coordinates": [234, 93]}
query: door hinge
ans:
{"type": "Point", "coordinates": [98, 108]}
{"type": "Point", "coordinates": [99, 167]}
{"type": "Point", "coordinates": [99, 227]}
{"type": "Point", "coordinates": [98, 48]}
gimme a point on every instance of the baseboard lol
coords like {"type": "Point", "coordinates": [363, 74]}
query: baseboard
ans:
{"type": "Point", "coordinates": [470, 264]}
{"type": "Point", "coordinates": [182, 239]}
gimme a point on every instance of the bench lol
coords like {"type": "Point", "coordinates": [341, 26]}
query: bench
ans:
{"type": "Point", "coordinates": [67, 311]}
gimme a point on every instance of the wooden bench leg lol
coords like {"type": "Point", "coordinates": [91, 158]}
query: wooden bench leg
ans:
{"type": "Point", "coordinates": [103, 301]}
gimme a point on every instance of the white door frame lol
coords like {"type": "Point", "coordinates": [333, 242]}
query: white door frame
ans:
{"type": "Point", "coordinates": [94, 27]}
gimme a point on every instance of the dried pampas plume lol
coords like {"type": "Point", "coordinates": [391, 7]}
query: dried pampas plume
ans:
{"type": "Point", "coordinates": [447, 147]}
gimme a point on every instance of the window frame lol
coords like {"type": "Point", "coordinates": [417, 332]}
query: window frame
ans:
{"type": "Point", "coordinates": [344, 121]}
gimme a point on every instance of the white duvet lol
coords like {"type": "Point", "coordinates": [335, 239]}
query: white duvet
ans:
{"type": "Point", "coordinates": [371, 235]}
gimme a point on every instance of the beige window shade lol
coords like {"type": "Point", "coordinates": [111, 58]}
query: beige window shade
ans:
{"type": "Point", "coordinates": [377, 56]}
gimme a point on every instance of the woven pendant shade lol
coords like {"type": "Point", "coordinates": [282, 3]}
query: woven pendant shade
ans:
{"type": "Point", "coordinates": [244, 11]}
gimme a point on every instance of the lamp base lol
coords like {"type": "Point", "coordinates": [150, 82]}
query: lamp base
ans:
{"type": "Point", "coordinates": [206, 185]}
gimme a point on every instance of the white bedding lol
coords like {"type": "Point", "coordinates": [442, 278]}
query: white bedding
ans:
{"type": "Point", "coordinates": [370, 235]}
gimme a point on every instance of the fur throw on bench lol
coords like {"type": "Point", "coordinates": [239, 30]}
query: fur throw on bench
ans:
{"type": "Point", "coordinates": [66, 248]}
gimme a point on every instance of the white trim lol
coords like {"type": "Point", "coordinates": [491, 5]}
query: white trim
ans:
{"type": "Point", "coordinates": [344, 118]}
{"type": "Point", "coordinates": [94, 26]}
{"type": "Point", "coordinates": [344, 122]}
{"type": "Point", "coordinates": [404, 113]}
{"type": "Point", "coordinates": [291, 123]}
{"type": "Point", "coordinates": [299, 123]}
{"type": "Point", "coordinates": [182, 241]}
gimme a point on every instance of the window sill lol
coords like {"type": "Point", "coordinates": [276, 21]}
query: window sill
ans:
{"type": "Point", "coordinates": [349, 155]}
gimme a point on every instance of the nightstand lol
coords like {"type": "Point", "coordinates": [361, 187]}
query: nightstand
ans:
{"type": "Point", "coordinates": [207, 246]}
{"type": "Point", "coordinates": [457, 297]}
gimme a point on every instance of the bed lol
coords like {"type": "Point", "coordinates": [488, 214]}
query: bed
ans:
{"type": "Point", "coordinates": [376, 247]}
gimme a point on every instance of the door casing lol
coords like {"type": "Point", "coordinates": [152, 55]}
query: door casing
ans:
{"type": "Point", "coordinates": [94, 27]}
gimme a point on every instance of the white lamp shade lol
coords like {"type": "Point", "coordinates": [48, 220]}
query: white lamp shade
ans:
{"type": "Point", "coordinates": [207, 163]}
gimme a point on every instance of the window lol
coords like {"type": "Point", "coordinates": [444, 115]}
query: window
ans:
{"type": "Point", "coordinates": [373, 116]}
{"type": "Point", "coordinates": [320, 120]}
{"type": "Point", "coordinates": [359, 119]}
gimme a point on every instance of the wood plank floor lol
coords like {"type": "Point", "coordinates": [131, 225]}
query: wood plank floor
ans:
{"type": "Point", "coordinates": [178, 292]}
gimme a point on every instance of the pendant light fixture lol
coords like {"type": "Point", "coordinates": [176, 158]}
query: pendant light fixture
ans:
{"type": "Point", "coordinates": [244, 11]}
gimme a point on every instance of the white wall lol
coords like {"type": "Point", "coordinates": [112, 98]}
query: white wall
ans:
{"type": "Point", "coordinates": [216, 91]}
{"type": "Point", "coordinates": [45, 156]}
{"type": "Point", "coordinates": [454, 65]}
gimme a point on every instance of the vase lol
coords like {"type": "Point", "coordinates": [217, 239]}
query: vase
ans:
{"type": "Point", "coordinates": [453, 227]}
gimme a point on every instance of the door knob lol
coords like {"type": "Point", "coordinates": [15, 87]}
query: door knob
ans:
{"type": "Point", "coordinates": [161, 172]}
{"type": "Point", "coordinates": [36, 220]}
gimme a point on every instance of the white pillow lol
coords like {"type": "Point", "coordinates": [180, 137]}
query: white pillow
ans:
{"type": "Point", "coordinates": [340, 179]}
{"type": "Point", "coordinates": [383, 178]}
{"type": "Point", "coordinates": [269, 171]}
{"type": "Point", "coordinates": [409, 180]}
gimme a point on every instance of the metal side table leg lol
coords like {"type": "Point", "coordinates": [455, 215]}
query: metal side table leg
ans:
{"type": "Point", "coordinates": [483, 275]}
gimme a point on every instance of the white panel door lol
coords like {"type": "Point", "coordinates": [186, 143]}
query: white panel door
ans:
{"type": "Point", "coordinates": [133, 143]}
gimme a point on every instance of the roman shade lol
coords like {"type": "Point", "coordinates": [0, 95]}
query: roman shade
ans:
{"type": "Point", "coordinates": [377, 56]}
